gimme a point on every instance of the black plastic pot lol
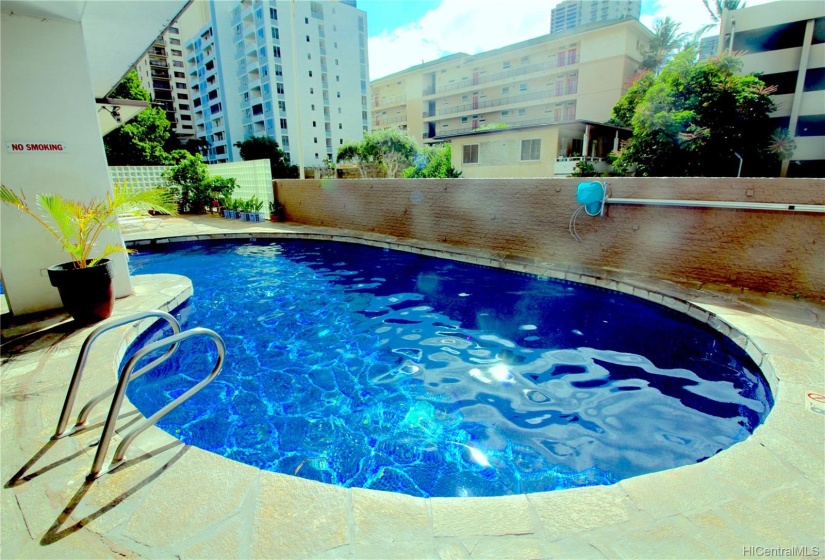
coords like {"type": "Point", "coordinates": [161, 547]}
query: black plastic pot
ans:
{"type": "Point", "coordinates": [87, 293]}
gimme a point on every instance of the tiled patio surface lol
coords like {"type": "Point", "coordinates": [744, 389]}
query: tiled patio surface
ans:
{"type": "Point", "coordinates": [174, 500]}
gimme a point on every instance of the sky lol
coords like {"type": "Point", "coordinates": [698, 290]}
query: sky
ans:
{"type": "Point", "coordinates": [403, 33]}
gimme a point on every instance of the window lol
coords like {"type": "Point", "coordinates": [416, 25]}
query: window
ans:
{"type": "Point", "coordinates": [184, 107]}
{"type": "Point", "coordinates": [276, 52]}
{"type": "Point", "coordinates": [275, 34]}
{"type": "Point", "coordinates": [282, 106]}
{"type": "Point", "coordinates": [183, 96]}
{"type": "Point", "coordinates": [505, 90]}
{"type": "Point", "coordinates": [185, 117]}
{"type": "Point", "coordinates": [279, 88]}
{"type": "Point", "coordinates": [560, 86]}
{"type": "Point", "coordinates": [307, 38]}
{"type": "Point", "coordinates": [283, 124]}
{"type": "Point", "coordinates": [531, 149]}
{"type": "Point", "coordinates": [177, 63]}
{"type": "Point", "coordinates": [522, 112]}
{"type": "Point", "coordinates": [572, 83]}
{"type": "Point", "coordinates": [470, 154]}
{"type": "Point", "coordinates": [176, 52]}
{"type": "Point", "coordinates": [273, 13]}
{"type": "Point", "coordinates": [571, 56]}
{"type": "Point", "coordinates": [464, 99]}
{"type": "Point", "coordinates": [174, 41]}
{"type": "Point", "coordinates": [505, 113]}
{"type": "Point", "coordinates": [310, 73]}
{"type": "Point", "coordinates": [522, 87]}
{"type": "Point", "coordinates": [505, 65]}
{"type": "Point", "coordinates": [463, 120]}
{"type": "Point", "coordinates": [174, 30]}
{"type": "Point", "coordinates": [560, 58]}
{"type": "Point", "coordinates": [180, 75]}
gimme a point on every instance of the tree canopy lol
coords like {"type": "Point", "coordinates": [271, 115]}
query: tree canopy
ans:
{"type": "Point", "coordinates": [389, 148]}
{"type": "Point", "coordinates": [433, 162]}
{"type": "Point", "coordinates": [266, 147]}
{"type": "Point", "coordinates": [142, 140]}
{"type": "Point", "coordinates": [695, 117]}
{"type": "Point", "coordinates": [665, 42]}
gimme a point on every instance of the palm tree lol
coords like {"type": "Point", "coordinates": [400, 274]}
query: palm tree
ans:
{"type": "Point", "coordinates": [666, 41]}
{"type": "Point", "coordinates": [715, 12]}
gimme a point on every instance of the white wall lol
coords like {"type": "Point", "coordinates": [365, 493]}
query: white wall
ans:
{"type": "Point", "coordinates": [46, 96]}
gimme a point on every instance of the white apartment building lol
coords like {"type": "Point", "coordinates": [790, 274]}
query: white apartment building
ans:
{"type": "Point", "coordinates": [575, 13]}
{"type": "Point", "coordinates": [785, 43]}
{"type": "Point", "coordinates": [295, 71]}
{"type": "Point", "coordinates": [162, 70]}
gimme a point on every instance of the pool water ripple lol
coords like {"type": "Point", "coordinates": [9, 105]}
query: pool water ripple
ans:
{"type": "Point", "coordinates": [377, 369]}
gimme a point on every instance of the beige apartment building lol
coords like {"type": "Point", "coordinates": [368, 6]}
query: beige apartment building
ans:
{"type": "Point", "coordinates": [785, 43]}
{"type": "Point", "coordinates": [162, 69]}
{"type": "Point", "coordinates": [540, 99]}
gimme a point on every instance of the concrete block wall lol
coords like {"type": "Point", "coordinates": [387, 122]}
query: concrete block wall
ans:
{"type": "Point", "coordinates": [767, 251]}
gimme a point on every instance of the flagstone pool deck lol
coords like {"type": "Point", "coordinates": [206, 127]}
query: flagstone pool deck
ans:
{"type": "Point", "coordinates": [174, 500]}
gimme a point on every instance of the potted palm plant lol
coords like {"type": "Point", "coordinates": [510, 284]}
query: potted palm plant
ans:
{"type": "Point", "coordinates": [85, 282]}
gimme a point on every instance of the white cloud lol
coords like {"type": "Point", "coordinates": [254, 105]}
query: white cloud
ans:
{"type": "Point", "coordinates": [469, 26]}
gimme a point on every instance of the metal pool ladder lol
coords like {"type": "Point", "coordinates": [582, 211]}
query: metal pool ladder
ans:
{"type": "Point", "coordinates": [127, 375]}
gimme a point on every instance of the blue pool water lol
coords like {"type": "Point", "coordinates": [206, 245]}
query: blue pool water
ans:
{"type": "Point", "coordinates": [371, 368]}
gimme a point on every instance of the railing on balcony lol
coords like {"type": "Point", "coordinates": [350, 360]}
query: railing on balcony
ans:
{"type": "Point", "coordinates": [498, 76]}
{"type": "Point", "coordinates": [158, 62]}
{"type": "Point", "coordinates": [381, 121]}
{"type": "Point", "coordinates": [498, 102]}
{"type": "Point", "coordinates": [390, 100]}
{"type": "Point", "coordinates": [510, 125]}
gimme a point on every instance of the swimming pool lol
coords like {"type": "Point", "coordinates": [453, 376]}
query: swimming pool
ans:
{"type": "Point", "coordinates": [378, 369]}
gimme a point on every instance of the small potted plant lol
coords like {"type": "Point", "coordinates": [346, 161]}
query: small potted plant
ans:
{"type": "Point", "coordinates": [244, 210]}
{"type": "Point", "coordinates": [256, 207]}
{"type": "Point", "coordinates": [276, 211]}
{"type": "Point", "coordinates": [85, 282]}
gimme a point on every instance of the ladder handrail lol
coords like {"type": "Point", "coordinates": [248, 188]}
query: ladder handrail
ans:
{"type": "Point", "coordinates": [74, 384]}
{"type": "Point", "coordinates": [126, 377]}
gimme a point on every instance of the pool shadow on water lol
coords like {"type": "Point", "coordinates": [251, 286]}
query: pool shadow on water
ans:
{"type": "Point", "coordinates": [55, 533]}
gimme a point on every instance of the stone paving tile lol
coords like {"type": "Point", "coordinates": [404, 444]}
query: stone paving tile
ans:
{"type": "Point", "coordinates": [460, 517]}
{"type": "Point", "coordinates": [671, 538]}
{"type": "Point", "coordinates": [567, 512]}
{"type": "Point", "coordinates": [665, 493]}
{"type": "Point", "coordinates": [386, 517]}
{"type": "Point", "coordinates": [398, 551]}
{"type": "Point", "coordinates": [224, 541]}
{"type": "Point", "coordinates": [573, 548]}
{"type": "Point", "coordinates": [809, 459]}
{"type": "Point", "coordinates": [801, 509]}
{"type": "Point", "coordinates": [744, 469]}
{"type": "Point", "coordinates": [503, 548]}
{"type": "Point", "coordinates": [297, 518]}
{"type": "Point", "coordinates": [218, 491]}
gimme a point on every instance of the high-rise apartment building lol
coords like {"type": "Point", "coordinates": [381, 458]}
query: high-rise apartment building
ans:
{"type": "Point", "coordinates": [295, 71]}
{"type": "Point", "coordinates": [785, 43]}
{"type": "Point", "coordinates": [162, 70]}
{"type": "Point", "coordinates": [570, 14]}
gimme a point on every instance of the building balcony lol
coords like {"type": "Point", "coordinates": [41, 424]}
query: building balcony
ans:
{"type": "Point", "coordinates": [158, 51]}
{"type": "Point", "coordinates": [500, 102]}
{"type": "Point", "coordinates": [510, 125]}
{"type": "Point", "coordinates": [389, 101]}
{"type": "Point", "coordinates": [505, 76]}
{"type": "Point", "coordinates": [158, 62]}
{"type": "Point", "coordinates": [384, 121]}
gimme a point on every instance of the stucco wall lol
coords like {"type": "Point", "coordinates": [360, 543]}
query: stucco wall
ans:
{"type": "Point", "coordinates": [761, 250]}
